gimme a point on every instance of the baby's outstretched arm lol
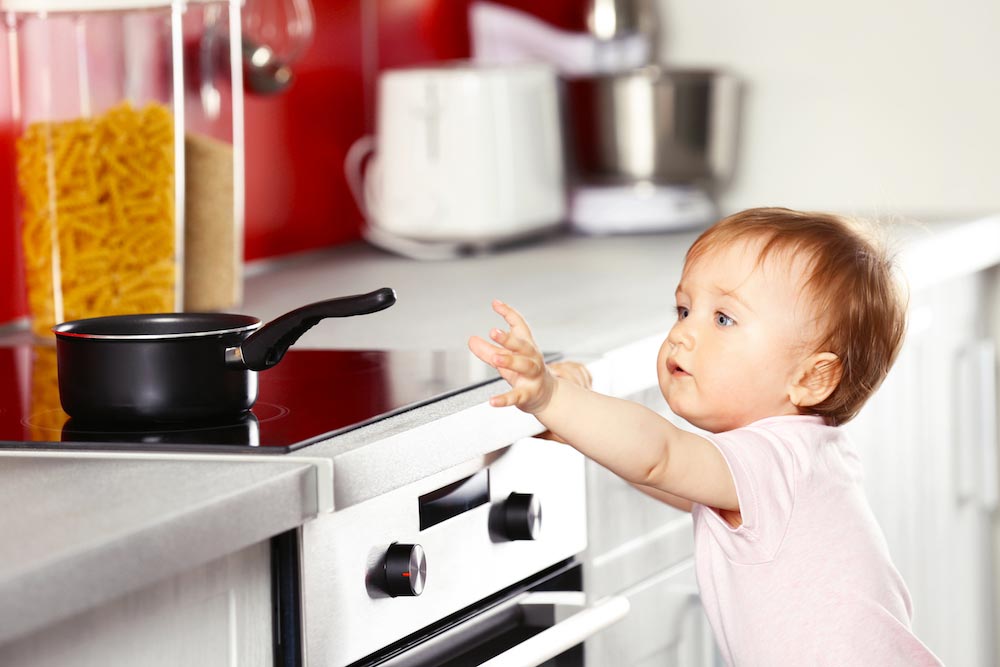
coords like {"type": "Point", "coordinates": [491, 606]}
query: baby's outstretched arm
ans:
{"type": "Point", "coordinates": [629, 439]}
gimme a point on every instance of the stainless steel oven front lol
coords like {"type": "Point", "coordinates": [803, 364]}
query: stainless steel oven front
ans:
{"type": "Point", "coordinates": [473, 565]}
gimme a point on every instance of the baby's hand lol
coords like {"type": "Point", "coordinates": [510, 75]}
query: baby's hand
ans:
{"type": "Point", "coordinates": [519, 361]}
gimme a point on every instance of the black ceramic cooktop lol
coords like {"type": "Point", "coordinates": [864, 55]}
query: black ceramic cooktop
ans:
{"type": "Point", "coordinates": [310, 396]}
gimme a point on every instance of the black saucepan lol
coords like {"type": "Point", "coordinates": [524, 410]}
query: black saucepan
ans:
{"type": "Point", "coordinates": [181, 366]}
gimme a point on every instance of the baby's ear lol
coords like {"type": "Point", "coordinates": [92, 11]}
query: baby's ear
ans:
{"type": "Point", "coordinates": [815, 379]}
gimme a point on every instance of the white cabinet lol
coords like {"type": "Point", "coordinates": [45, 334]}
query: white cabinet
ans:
{"type": "Point", "coordinates": [928, 441]}
{"type": "Point", "coordinates": [641, 548]}
{"type": "Point", "coordinates": [213, 615]}
{"type": "Point", "coordinates": [665, 626]}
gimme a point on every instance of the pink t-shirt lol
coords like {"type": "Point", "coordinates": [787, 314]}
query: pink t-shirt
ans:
{"type": "Point", "coordinates": [807, 578]}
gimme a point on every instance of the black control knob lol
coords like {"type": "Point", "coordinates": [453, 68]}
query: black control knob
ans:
{"type": "Point", "coordinates": [521, 517]}
{"type": "Point", "coordinates": [405, 569]}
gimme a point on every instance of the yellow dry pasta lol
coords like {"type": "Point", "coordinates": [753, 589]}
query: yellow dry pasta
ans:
{"type": "Point", "coordinates": [47, 417]}
{"type": "Point", "coordinates": [98, 215]}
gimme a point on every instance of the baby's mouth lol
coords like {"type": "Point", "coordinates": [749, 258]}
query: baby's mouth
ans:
{"type": "Point", "coordinates": [676, 369]}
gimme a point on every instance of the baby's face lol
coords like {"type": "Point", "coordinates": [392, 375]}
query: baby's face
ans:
{"type": "Point", "coordinates": [741, 332]}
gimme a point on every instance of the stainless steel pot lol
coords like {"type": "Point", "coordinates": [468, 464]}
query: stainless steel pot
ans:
{"type": "Point", "coordinates": [653, 124]}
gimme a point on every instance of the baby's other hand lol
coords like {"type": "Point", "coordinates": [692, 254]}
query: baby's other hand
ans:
{"type": "Point", "coordinates": [517, 358]}
{"type": "Point", "coordinates": [572, 371]}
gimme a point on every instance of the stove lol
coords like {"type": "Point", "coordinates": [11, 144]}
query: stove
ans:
{"type": "Point", "coordinates": [311, 395]}
{"type": "Point", "coordinates": [451, 566]}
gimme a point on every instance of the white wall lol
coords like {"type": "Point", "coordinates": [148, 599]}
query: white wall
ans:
{"type": "Point", "coordinates": [874, 108]}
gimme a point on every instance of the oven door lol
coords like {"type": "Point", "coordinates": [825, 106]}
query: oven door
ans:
{"type": "Point", "coordinates": [525, 628]}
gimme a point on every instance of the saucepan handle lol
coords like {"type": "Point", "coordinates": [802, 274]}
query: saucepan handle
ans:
{"type": "Point", "coordinates": [266, 346]}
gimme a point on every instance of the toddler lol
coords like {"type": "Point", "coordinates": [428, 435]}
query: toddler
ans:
{"type": "Point", "coordinates": [787, 322]}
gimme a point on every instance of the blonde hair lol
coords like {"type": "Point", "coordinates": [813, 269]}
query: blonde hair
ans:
{"type": "Point", "coordinates": [852, 279]}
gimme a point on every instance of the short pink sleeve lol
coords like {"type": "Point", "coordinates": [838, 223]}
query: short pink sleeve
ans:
{"type": "Point", "coordinates": [763, 469]}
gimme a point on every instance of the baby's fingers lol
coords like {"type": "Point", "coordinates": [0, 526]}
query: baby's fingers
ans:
{"type": "Point", "coordinates": [573, 371]}
{"type": "Point", "coordinates": [512, 342]}
{"type": "Point", "coordinates": [504, 400]}
{"type": "Point", "coordinates": [484, 350]}
{"type": "Point", "coordinates": [518, 325]}
{"type": "Point", "coordinates": [519, 363]}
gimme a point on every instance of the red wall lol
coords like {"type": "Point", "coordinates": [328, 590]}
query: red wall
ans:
{"type": "Point", "coordinates": [297, 197]}
{"type": "Point", "coordinates": [13, 299]}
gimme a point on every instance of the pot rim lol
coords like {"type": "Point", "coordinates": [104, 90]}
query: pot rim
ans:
{"type": "Point", "coordinates": [63, 330]}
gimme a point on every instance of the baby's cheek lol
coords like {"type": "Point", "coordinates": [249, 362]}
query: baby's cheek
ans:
{"type": "Point", "coordinates": [661, 355]}
{"type": "Point", "coordinates": [663, 379]}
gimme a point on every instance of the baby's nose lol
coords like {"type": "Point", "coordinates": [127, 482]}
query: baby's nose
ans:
{"type": "Point", "coordinates": [679, 335]}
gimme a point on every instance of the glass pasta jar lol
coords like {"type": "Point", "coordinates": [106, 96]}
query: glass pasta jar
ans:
{"type": "Point", "coordinates": [128, 122]}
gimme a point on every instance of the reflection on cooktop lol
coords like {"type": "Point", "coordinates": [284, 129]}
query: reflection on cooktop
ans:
{"type": "Point", "coordinates": [311, 395]}
{"type": "Point", "coordinates": [244, 430]}
{"type": "Point", "coordinates": [194, 433]}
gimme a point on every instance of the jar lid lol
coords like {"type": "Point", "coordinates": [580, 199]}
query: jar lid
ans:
{"type": "Point", "coordinates": [56, 6]}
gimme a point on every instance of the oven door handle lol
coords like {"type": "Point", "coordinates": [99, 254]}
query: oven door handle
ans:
{"type": "Point", "coordinates": [568, 621]}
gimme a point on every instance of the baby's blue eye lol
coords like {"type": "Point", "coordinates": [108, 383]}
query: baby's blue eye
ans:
{"type": "Point", "coordinates": [724, 320]}
{"type": "Point", "coordinates": [682, 312]}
